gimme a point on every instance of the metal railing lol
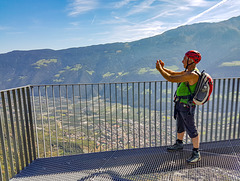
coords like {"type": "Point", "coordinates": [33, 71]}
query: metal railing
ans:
{"type": "Point", "coordinates": [55, 120]}
{"type": "Point", "coordinates": [16, 131]}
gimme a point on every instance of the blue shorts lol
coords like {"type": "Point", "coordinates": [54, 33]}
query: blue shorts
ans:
{"type": "Point", "coordinates": [185, 119]}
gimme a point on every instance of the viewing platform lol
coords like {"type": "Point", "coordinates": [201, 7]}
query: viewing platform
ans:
{"type": "Point", "coordinates": [220, 161]}
{"type": "Point", "coordinates": [115, 131]}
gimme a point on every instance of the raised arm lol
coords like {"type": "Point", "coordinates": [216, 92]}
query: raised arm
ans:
{"type": "Point", "coordinates": [171, 72]}
{"type": "Point", "coordinates": [172, 76]}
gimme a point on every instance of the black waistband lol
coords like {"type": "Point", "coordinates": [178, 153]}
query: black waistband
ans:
{"type": "Point", "coordinates": [184, 97]}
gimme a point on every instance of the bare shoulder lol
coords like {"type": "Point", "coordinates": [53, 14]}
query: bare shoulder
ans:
{"type": "Point", "coordinates": [190, 77]}
{"type": "Point", "coordinates": [193, 77]}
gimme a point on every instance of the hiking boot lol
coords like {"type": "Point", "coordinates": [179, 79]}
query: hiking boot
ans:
{"type": "Point", "coordinates": [176, 147]}
{"type": "Point", "coordinates": [194, 158]}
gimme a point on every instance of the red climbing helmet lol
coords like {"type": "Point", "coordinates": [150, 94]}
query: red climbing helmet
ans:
{"type": "Point", "coordinates": [195, 55]}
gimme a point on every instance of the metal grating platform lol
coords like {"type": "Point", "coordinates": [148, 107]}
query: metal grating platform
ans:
{"type": "Point", "coordinates": [220, 161]}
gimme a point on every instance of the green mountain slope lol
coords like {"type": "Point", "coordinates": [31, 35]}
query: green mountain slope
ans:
{"type": "Point", "coordinates": [219, 44]}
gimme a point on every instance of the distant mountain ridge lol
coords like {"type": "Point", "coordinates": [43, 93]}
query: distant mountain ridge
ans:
{"type": "Point", "coordinates": [219, 44]}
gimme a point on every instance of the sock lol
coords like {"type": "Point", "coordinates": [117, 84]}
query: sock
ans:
{"type": "Point", "coordinates": [179, 141]}
{"type": "Point", "coordinates": [196, 149]}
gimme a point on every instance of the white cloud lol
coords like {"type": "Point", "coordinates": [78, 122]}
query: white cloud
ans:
{"type": "Point", "coordinates": [116, 20]}
{"type": "Point", "coordinates": [224, 11]}
{"type": "Point", "coordinates": [196, 3]}
{"type": "Point", "coordinates": [136, 32]}
{"type": "Point", "coordinates": [81, 6]}
{"type": "Point", "coordinates": [166, 8]}
{"type": "Point", "coordinates": [143, 6]}
{"type": "Point", "coordinates": [146, 18]}
{"type": "Point", "coordinates": [93, 19]}
{"type": "Point", "coordinates": [122, 3]}
{"type": "Point", "coordinates": [218, 5]}
{"type": "Point", "coordinates": [162, 16]}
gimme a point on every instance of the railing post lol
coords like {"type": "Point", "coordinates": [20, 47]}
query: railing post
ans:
{"type": "Point", "coordinates": [149, 112]}
{"type": "Point", "coordinates": [105, 116]}
{"type": "Point", "coordinates": [236, 110]}
{"type": "Point", "coordinates": [160, 114]}
{"type": "Point", "coordinates": [13, 131]}
{"type": "Point", "coordinates": [7, 133]}
{"type": "Point", "coordinates": [155, 113]}
{"type": "Point", "coordinates": [217, 111]}
{"type": "Point", "coordinates": [1, 176]}
{"type": "Point", "coordinates": [116, 115]}
{"type": "Point", "coordinates": [133, 105]}
{"type": "Point", "coordinates": [20, 144]}
{"type": "Point", "coordinates": [87, 117]}
{"type": "Point", "coordinates": [128, 125]}
{"type": "Point", "coordinates": [110, 101]}
{"type": "Point", "coordinates": [22, 126]}
{"type": "Point", "coordinates": [4, 155]}
{"type": "Point", "coordinates": [139, 130]}
{"type": "Point", "coordinates": [68, 119]}
{"type": "Point", "coordinates": [31, 122]}
{"type": "Point", "coordinates": [27, 124]}
{"type": "Point", "coordinates": [213, 106]}
{"type": "Point", "coordinates": [207, 122]}
{"type": "Point", "coordinates": [81, 113]}
{"type": "Point", "coordinates": [223, 96]}
{"type": "Point", "coordinates": [144, 114]}
{"type": "Point", "coordinates": [56, 128]}
{"type": "Point", "coordinates": [35, 122]}
{"type": "Point", "coordinates": [231, 112]}
{"type": "Point", "coordinates": [226, 111]}
{"type": "Point", "coordinates": [48, 120]}
{"type": "Point", "coordinates": [99, 112]}
{"type": "Point", "coordinates": [171, 114]}
{"type": "Point", "coordinates": [166, 99]}
{"type": "Point", "coordinates": [74, 118]}
{"type": "Point", "coordinates": [41, 114]}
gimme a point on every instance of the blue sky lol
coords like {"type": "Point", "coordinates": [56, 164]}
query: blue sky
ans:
{"type": "Point", "coordinates": [61, 24]}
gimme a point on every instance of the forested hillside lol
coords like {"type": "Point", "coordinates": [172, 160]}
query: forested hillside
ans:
{"type": "Point", "coordinates": [219, 44]}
